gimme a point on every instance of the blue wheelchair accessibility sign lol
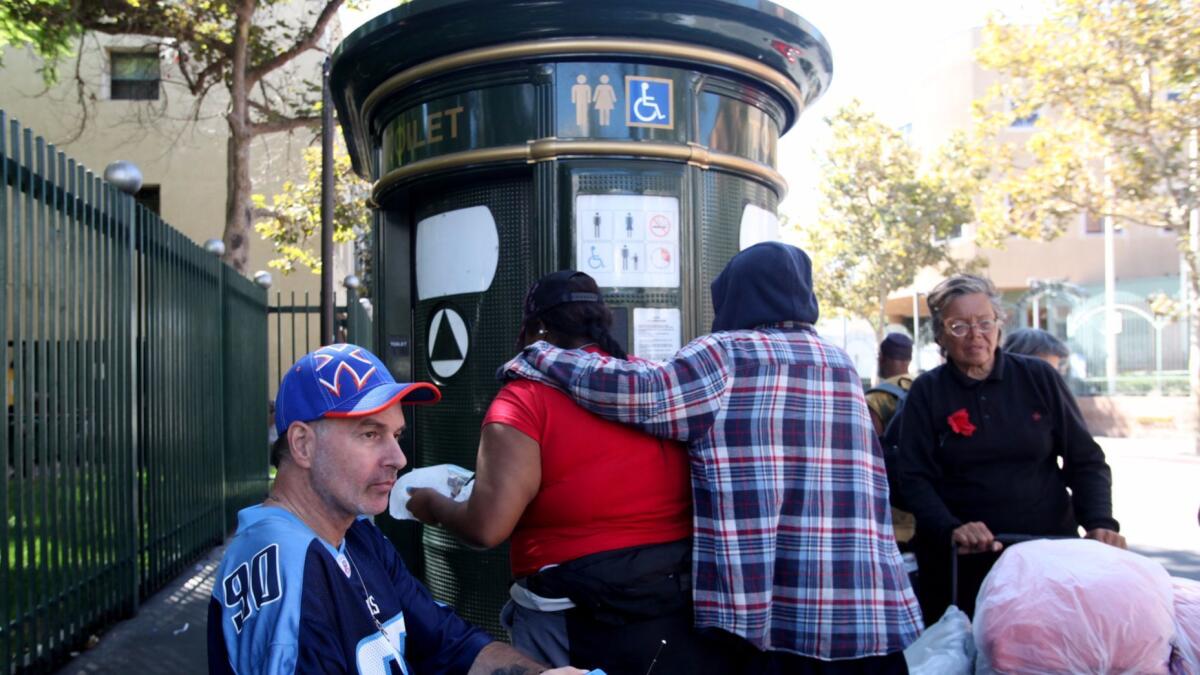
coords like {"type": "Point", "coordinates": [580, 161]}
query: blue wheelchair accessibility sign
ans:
{"type": "Point", "coordinates": [648, 102]}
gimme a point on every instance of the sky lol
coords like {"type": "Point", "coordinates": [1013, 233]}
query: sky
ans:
{"type": "Point", "coordinates": [874, 43]}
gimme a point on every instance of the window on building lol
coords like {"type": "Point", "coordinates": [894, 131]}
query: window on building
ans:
{"type": "Point", "coordinates": [150, 196]}
{"type": "Point", "coordinates": [135, 76]}
{"type": "Point", "coordinates": [1023, 121]}
{"type": "Point", "coordinates": [1027, 121]}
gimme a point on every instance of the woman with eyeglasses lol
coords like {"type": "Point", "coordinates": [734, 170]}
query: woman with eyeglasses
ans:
{"type": "Point", "coordinates": [981, 441]}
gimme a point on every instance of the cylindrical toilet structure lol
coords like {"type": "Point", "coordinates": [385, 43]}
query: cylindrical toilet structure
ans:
{"type": "Point", "coordinates": [634, 140]}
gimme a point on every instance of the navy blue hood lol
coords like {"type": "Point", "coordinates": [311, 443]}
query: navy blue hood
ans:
{"type": "Point", "coordinates": [767, 283]}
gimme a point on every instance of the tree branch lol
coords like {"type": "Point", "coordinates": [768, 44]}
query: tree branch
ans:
{"type": "Point", "coordinates": [283, 124]}
{"type": "Point", "coordinates": [304, 44]}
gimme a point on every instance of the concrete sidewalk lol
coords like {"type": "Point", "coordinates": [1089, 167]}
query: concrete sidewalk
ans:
{"type": "Point", "coordinates": [166, 636]}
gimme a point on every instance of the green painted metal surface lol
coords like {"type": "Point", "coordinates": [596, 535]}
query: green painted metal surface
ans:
{"type": "Point", "coordinates": [136, 402]}
{"type": "Point", "coordinates": [574, 115]}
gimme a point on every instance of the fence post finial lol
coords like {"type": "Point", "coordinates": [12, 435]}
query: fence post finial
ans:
{"type": "Point", "coordinates": [125, 175]}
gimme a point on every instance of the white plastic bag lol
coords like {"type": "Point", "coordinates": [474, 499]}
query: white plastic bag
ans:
{"type": "Point", "coordinates": [450, 480]}
{"type": "Point", "coordinates": [945, 648]}
{"type": "Point", "coordinates": [1186, 659]}
{"type": "Point", "coordinates": [1074, 606]}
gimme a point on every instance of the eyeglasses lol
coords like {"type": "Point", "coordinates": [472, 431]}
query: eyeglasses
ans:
{"type": "Point", "coordinates": [960, 329]}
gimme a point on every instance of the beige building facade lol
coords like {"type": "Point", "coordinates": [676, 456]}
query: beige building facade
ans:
{"type": "Point", "coordinates": [941, 103]}
{"type": "Point", "coordinates": [124, 99]}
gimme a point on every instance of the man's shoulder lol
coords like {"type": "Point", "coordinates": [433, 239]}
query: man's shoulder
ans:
{"type": "Point", "coordinates": [259, 587]}
{"type": "Point", "coordinates": [270, 539]}
{"type": "Point", "coordinates": [904, 381]}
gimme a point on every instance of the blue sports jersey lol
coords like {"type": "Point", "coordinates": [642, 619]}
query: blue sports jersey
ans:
{"type": "Point", "coordinates": [285, 601]}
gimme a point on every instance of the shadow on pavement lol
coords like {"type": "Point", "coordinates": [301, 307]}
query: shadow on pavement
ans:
{"type": "Point", "coordinates": [166, 636]}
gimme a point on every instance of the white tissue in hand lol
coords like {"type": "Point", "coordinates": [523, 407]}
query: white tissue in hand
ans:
{"type": "Point", "coordinates": [448, 479]}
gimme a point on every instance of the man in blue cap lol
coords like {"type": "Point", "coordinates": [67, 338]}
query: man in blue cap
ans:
{"type": "Point", "coordinates": [308, 583]}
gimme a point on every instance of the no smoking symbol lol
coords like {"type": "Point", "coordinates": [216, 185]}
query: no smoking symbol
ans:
{"type": "Point", "coordinates": [660, 226]}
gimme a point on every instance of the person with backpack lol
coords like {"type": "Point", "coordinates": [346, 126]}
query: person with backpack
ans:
{"type": "Point", "coordinates": [885, 400]}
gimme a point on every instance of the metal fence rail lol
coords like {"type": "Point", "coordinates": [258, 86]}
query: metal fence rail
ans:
{"type": "Point", "coordinates": [294, 327]}
{"type": "Point", "coordinates": [134, 364]}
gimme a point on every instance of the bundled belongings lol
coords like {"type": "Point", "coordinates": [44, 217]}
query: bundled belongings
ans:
{"type": "Point", "coordinates": [1186, 659]}
{"type": "Point", "coordinates": [945, 648]}
{"type": "Point", "coordinates": [1074, 606]}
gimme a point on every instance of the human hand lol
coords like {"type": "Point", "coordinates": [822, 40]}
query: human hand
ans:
{"type": "Point", "coordinates": [422, 503]}
{"type": "Point", "coordinates": [1105, 536]}
{"type": "Point", "coordinates": [975, 538]}
{"type": "Point", "coordinates": [566, 670]}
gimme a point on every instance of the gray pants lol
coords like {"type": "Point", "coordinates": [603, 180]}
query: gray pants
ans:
{"type": "Point", "coordinates": [539, 635]}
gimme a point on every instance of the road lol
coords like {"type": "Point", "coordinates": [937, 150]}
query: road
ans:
{"type": "Point", "coordinates": [1156, 496]}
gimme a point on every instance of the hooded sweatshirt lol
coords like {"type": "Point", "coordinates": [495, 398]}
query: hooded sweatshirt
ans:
{"type": "Point", "coordinates": [767, 283]}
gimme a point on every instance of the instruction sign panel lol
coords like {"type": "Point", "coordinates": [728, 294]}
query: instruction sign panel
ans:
{"type": "Point", "coordinates": [656, 332]}
{"type": "Point", "coordinates": [628, 240]}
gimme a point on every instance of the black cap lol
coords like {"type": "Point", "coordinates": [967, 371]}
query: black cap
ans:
{"type": "Point", "coordinates": [553, 290]}
{"type": "Point", "coordinates": [896, 346]}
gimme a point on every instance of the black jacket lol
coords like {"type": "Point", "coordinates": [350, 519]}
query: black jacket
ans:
{"type": "Point", "coordinates": [1006, 473]}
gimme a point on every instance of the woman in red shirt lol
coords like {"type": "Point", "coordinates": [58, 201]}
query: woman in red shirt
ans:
{"type": "Point", "coordinates": [599, 515]}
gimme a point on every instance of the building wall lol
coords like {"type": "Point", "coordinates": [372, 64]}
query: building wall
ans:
{"type": "Point", "coordinates": [938, 102]}
{"type": "Point", "coordinates": [176, 143]}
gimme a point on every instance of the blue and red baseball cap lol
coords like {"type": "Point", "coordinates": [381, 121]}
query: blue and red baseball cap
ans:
{"type": "Point", "coordinates": [342, 380]}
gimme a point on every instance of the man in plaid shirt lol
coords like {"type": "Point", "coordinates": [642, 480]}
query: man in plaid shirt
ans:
{"type": "Point", "coordinates": [793, 548]}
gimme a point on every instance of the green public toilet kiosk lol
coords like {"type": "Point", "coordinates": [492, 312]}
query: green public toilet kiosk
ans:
{"type": "Point", "coordinates": [634, 140]}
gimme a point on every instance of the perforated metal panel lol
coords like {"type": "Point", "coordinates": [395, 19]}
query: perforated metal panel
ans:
{"type": "Point", "coordinates": [474, 582]}
{"type": "Point", "coordinates": [717, 226]}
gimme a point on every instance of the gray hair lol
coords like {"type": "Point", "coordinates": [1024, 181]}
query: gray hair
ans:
{"type": "Point", "coordinates": [1035, 342]}
{"type": "Point", "coordinates": [953, 288]}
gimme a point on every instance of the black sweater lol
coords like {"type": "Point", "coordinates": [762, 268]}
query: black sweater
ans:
{"type": "Point", "coordinates": [1006, 473]}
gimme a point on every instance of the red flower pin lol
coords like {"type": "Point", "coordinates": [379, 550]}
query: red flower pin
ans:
{"type": "Point", "coordinates": [960, 422]}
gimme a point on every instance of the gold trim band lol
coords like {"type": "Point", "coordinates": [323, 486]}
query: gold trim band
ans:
{"type": "Point", "coordinates": [676, 51]}
{"type": "Point", "coordinates": [549, 149]}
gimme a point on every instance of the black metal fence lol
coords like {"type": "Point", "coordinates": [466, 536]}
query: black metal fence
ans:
{"type": "Point", "coordinates": [137, 401]}
{"type": "Point", "coordinates": [294, 327]}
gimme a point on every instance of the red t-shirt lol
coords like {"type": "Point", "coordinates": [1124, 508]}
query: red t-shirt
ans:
{"type": "Point", "coordinates": [604, 485]}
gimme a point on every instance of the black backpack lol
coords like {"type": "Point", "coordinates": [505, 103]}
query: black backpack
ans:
{"type": "Point", "coordinates": [890, 440]}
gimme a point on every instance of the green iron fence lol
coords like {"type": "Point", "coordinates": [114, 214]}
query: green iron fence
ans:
{"type": "Point", "coordinates": [136, 392]}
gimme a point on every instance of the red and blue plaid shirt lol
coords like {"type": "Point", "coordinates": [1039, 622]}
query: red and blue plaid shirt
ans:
{"type": "Point", "coordinates": [793, 545]}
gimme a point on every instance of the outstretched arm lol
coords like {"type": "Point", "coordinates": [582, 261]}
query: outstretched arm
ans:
{"type": "Point", "coordinates": [508, 472]}
{"type": "Point", "coordinates": [676, 399]}
{"type": "Point", "coordinates": [500, 659]}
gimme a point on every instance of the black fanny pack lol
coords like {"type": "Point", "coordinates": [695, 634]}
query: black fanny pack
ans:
{"type": "Point", "coordinates": [623, 585]}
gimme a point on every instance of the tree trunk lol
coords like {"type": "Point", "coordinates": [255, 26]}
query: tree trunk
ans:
{"type": "Point", "coordinates": [237, 157]}
{"type": "Point", "coordinates": [237, 201]}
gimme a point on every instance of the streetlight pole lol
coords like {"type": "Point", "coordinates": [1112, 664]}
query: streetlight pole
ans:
{"type": "Point", "coordinates": [1111, 327]}
{"type": "Point", "coordinates": [327, 298]}
{"type": "Point", "coordinates": [917, 331]}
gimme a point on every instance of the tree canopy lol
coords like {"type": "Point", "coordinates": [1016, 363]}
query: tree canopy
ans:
{"type": "Point", "coordinates": [885, 214]}
{"type": "Point", "coordinates": [1115, 85]}
{"type": "Point", "coordinates": [291, 219]}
